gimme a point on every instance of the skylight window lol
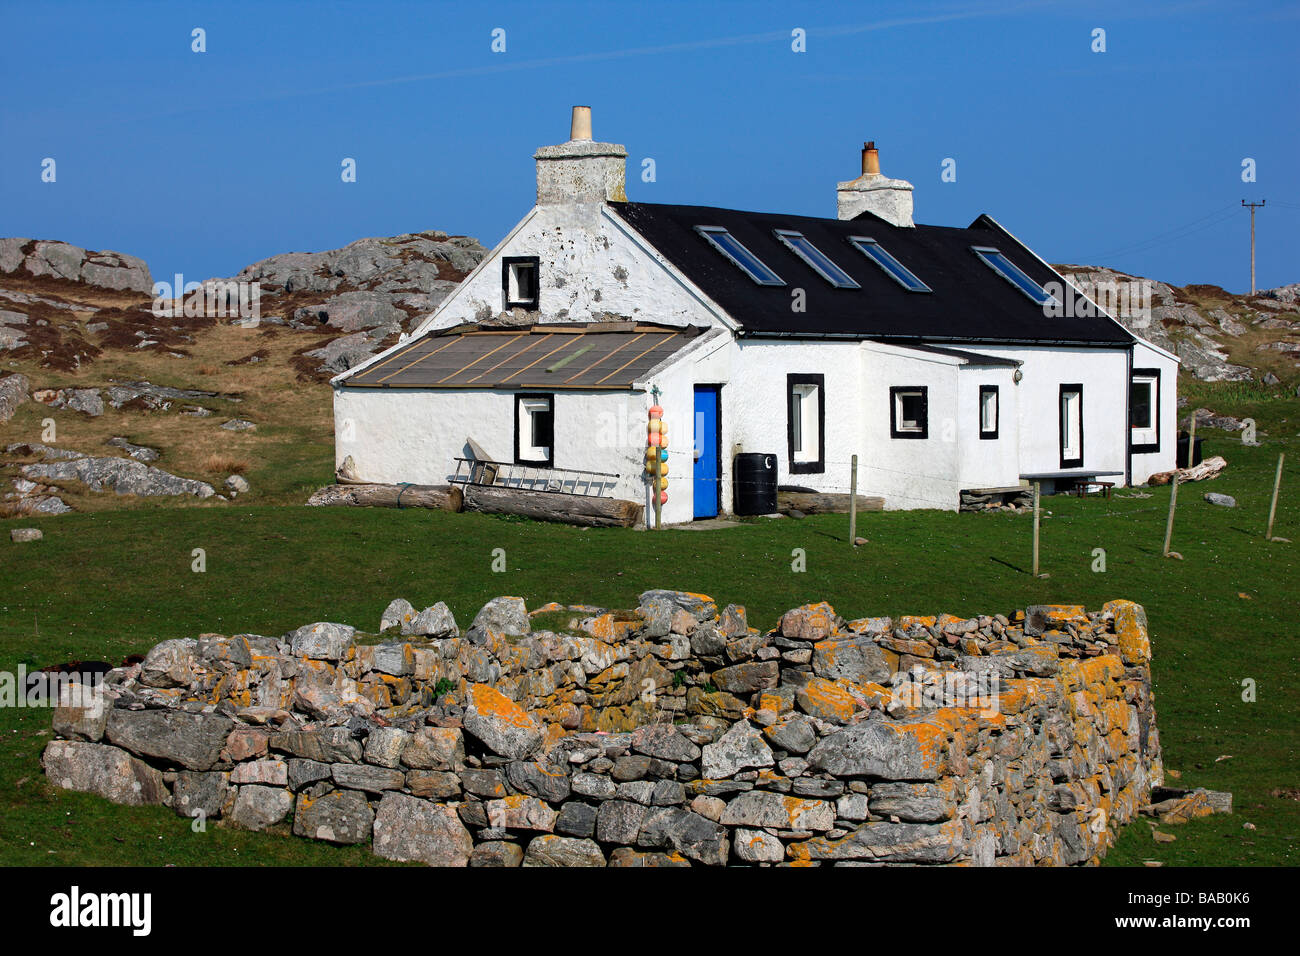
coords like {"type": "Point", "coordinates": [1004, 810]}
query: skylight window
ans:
{"type": "Point", "coordinates": [899, 272]}
{"type": "Point", "coordinates": [731, 247]}
{"type": "Point", "coordinates": [805, 250]}
{"type": "Point", "coordinates": [1009, 271]}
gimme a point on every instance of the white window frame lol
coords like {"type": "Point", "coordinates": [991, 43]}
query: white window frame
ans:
{"type": "Point", "coordinates": [526, 408]}
{"type": "Point", "coordinates": [1147, 438]}
{"type": "Point", "coordinates": [989, 431]}
{"type": "Point", "coordinates": [899, 425]}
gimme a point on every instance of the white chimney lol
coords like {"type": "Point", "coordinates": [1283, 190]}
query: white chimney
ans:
{"type": "Point", "coordinates": [890, 199]}
{"type": "Point", "coordinates": [581, 170]}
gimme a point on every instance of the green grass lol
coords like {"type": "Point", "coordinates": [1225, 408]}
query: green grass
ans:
{"type": "Point", "coordinates": [105, 584]}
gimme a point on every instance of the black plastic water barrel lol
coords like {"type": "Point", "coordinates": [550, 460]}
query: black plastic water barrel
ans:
{"type": "Point", "coordinates": [1181, 459]}
{"type": "Point", "coordinates": [755, 484]}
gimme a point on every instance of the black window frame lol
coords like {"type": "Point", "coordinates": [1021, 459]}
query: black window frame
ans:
{"type": "Point", "coordinates": [925, 411]}
{"type": "Point", "coordinates": [996, 392]}
{"type": "Point", "coordinates": [520, 398]}
{"type": "Point", "coordinates": [530, 304]}
{"type": "Point", "coordinates": [1060, 399]}
{"type": "Point", "coordinates": [1153, 373]}
{"type": "Point", "coordinates": [805, 467]}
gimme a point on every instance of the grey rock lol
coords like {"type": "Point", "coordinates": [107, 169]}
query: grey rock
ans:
{"type": "Point", "coordinates": [102, 770]}
{"type": "Point", "coordinates": [874, 749]}
{"type": "Point", "coordinates": [23, 535]}
{"type": "Point", "coordinates": [410, 829]}
{"type": "Point", "coordinates": [858, 660]}
{"type": "Point", "coordinates": [912, 802]}
{"type": "Point", "coordinates": [258, 807]}
{"type": "Point", "coordinates": [303, 772]}
{"type": "Point", "coordinates": [891, 843]}
{"type": "Point", "coordinates": [200, 795]}
{"type": "Point", "coordinates": [13, 392]}
{"type": "Point", "coordinates": [665, 742]}
{"type": "Point", "coordinates": [235, 485]}
{"type": "Point", "coordinates": [436, 622]}
{"type": "Point", "coordinates": [690, 834]}
{"type": "Point", "coordinates": [342, 817]}
{"type": "Point", "coordinates": [433, 784]}
{"type": "Point", "coordinates": [238, 425]}
{"type": "Point", "coordinates": [576, 819]}
{"type": "Point", "coordinates": [393, 659]}
{"type": "Point", "coordinates": [122, 476]}
{"type": "Point", "coordinates": [505, 615]}
{"type": "Point", "coordinates": [192, 741]}
{"type": "Point", "coordinates": [360, 776]}
{"type": "Point", "coordinates": [435, 748]}
{"type": "Point", "coordinates": [760, 808]}
{"type": "Point", "coordinates": [327, 745]}
{"type": "Point", "coordinates": [619, 821]}
{"type": "Point", "coordinates": [399, 613]}
{"type": "Point", "coordinates": [497, 853]}
{"type": "Point", "coordinates": [794, 734]}
{"type": "Point", "coordinates": [745, 679]}
{"type": "Point", "coordinates": [515, 735]}
{"type": "Point", "coordinates": [550, 850]}
{"type": "Point", "coordinates": [739, 748]}
{"type": "Point", "coordinates": [550, 783]}
{"type": "Point", "coordinates": [385, 746]}
{"type": "Point", "coordinates": [1223, 501]}
{"type": "Point", "coordinates": [170, 664]}
{"type": "Point", "coordinates": [323, 641]}
{"type": "Point", "coordinates": [757, 846]}
{"type": "Point", "coordinates": [138, 452]}
{"type": "Point", "coordinates": [594, 786]}
{"type": "Point", "coordinates": [484, 783]}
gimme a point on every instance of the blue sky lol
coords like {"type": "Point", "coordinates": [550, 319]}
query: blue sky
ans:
{"type": "Point", "coordinates": [204, 162]}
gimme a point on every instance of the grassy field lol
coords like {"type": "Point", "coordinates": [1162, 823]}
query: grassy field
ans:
{"type": "Point", "coordinates": [109, 583]}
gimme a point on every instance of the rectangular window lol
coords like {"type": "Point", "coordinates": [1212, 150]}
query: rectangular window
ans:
{"type": "Point", "coordinates": [988, 411]}
{"type": "Point", "coordinates": [896, 270]}
{"type": "Point", "coordinates": [1144, 410]}
{"type": "Point", "coordinates": [1012, 273]}
{"type": "Point", "coordinates": [534, 429]}
{"type": "Point", "coordinates": [1071, 426]}
{"type": "Point", "coordinates": [821, 263]}
{"type": "Point", "coordinates": [742, 258]}
{"type": "Point", "coordinates": [520, 281]}
{"type": "Point", "coordinates": [806, 423]}
{"type": "Point", "coordinates": [909, 411]}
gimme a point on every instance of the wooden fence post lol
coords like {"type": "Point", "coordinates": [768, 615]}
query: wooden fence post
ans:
{"type": "Point", "coordinates": [853, 503]}
{"type": "Point", "coordinates": [1272, 508]}
{"type": "Point", "coordinates": [1037, 491]}
{"type": "Point", "coordinates": [1173, 503]}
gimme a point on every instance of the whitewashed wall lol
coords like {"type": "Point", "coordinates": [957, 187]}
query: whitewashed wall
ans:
{"type": "Point", "coordinates": [1104, 376]}
{"type": "Point", "coordinates": [1146, 355]}
{"type": "Point", "coordinates": [988, 462]}
{"type": "Point", "coordinates": [591, 262]}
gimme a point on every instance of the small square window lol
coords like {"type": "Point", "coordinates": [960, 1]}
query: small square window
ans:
{"type": "Point", "coordinates": [520, 281]}
{"type": "Point", "coordinates": [534, 429]}
{"type": "Point", "coordinates": [988, 412]}
{"type": "Point", "coordinates": [909, 411]}
{"type": "Point", "coordinates": [806, 423]}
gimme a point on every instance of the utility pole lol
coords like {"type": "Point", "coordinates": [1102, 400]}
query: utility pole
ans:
{"type": "Point", "coordinates": [1252, 206]}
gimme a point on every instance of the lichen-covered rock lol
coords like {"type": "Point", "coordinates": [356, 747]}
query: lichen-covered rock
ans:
{"type": "Point", "coordinates": [497, 853]}
{"type": "Point", "coordinates": [739, 748]}
{"type": "Point", "coordinates": [665, 742]}
{"type": "Point", "coordinates": [1131, 629]}
{"type": "Point", "coordinates": [757, 846]}
{"type": "Point", "coordinates": [198, 795]}
{"type": "Point", "coordinates": [438, 622]}
{"type": "Point", "coordinates": [399, 613]}
{"type": "Point", "coordinates": [501, 724]}
{"type": "Point", "coordinates": [501, 615]}
{"type": "Point", "coordinates": [106, 771]}
{"type": "Point", "coordinates": [342, 817]}
{"type": "Point", "coordinates": [690, 834]}
{"type": "Point", "coordinates": [409, 829]}
{"type": "Point", "coordinates": [913, 802]}
{"type": "Point", "coordinates": [887, 843]}
{"type": "Point", "coordinates": [759, 808]}
{"type": "Point", "coordinates": [812, 622]}
{"type": "Point", "coordinates": [885, 749]}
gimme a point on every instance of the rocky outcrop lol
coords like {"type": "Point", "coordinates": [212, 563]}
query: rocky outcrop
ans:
{"type": "Point", "coordinates": [108, 270]}
{"type": "Point", "coordinates": [573, 736]}
{"type": "Point", "coordinates": [1201, 323]}
{"type": "Point", "coordinates": [122, 476]}
{"type": "Point", "coordinates": [13, 392]}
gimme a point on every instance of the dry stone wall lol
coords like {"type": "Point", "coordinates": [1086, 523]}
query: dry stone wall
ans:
{"type": "Point", "coordinates": [672, 735]}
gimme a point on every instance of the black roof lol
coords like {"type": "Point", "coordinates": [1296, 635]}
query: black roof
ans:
{"type": "Point", "coordinates": [970, 303]}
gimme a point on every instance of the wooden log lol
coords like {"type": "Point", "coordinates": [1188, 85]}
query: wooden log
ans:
{"type": "Point", "coordinates": [441, 497]}
{"type": "Point", "coordinates": [586, 510]}
{"type": "Point", "coordinates": [1209, 468]}
{"type": "Point", "coordinates": [817, 503]}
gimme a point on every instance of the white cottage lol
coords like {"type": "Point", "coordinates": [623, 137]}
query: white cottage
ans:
{"type": "Point", "coordinates": [934, 353]}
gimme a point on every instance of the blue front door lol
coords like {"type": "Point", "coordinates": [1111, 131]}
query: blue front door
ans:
{"type": "Point", "coordinates": [707, 471]}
